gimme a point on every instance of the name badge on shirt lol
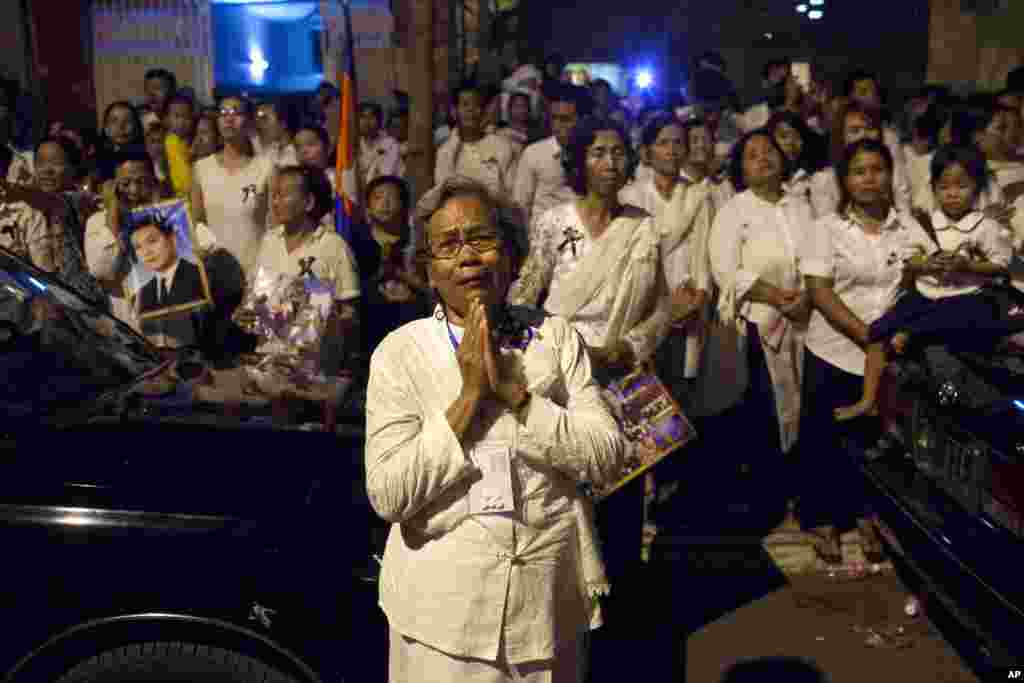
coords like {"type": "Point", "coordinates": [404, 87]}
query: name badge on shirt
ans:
{"type": "Point", "coordinates": [493, 493]}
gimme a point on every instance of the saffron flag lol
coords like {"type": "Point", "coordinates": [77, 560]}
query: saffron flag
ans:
{"type": "Point", "coordinates": [347, 186]}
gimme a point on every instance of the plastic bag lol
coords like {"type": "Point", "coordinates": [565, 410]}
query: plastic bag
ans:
{"type": "Point", "coordinates": [289, 315]}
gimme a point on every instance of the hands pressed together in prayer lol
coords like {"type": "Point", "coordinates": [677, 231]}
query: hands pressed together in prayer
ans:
{"type": "Point", "coordinates": [483, 377]}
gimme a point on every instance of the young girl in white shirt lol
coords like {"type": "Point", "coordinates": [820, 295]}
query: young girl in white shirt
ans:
{"type": "Point", "coordinates": [953, 300]}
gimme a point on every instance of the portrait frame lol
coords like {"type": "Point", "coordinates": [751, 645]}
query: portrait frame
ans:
{"type": "Point", "coordinates": [193, 293]}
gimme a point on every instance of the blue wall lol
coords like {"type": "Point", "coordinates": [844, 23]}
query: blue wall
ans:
{"type": "Point", "coordinates": [282, 35]}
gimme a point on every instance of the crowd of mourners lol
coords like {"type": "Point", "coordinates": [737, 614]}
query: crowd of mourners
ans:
{"type": "Point", "coordinates": [767, 261]}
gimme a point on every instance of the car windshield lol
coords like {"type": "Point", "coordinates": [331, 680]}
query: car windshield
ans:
{"type": "Point", "coordinates": [57, 350]}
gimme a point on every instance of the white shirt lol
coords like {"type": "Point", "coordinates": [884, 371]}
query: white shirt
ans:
{"type": "Point", "coordinates": [748, 227]}
{"type": "Point", "coordinates": [866, 271]}
{"type": "Point", "coordinates": [464, 584]}
{"type": "Point", "coordinates": [281, 155]}
{"type": "Point", "coordinates": [973, 231]}
{"type": "Point", "coordinates": [720, 191]}
{"type": "Point", "coordinates": [490, 160]}
{"type": "Point", "coordinates": [236, 205]}
{"type": "Point", "coordinates": [540, 179]}
{"type": "Point", "coordinates": [333, 260]}
{"type": "Point", "coordinates": [677, 262]}
{"type": "Point", "coordinates": [381, 157]}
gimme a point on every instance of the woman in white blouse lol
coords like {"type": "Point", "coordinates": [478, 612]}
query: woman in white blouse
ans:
{"type": "Point", "coordinates": [479, 435]}
{"type": "Point", "coordinates": [853, 264]}
{"type": "Point", "coordinates": [682, 215]}
{"type": "Point", "coordinates": [754, 260]}
{"type": "Point", "coordinates": [230, 188]}
{"type": "Point", "coordinates": [600, 264]}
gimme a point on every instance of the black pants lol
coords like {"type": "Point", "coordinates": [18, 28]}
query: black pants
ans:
{"type": "Point", "coordinates": [969, 321]}
{"type": "Point", "coordinates": [831, 492]}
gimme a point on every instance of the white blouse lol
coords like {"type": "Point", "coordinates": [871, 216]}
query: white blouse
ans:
{"type": "Point", "coordinates": [972, 232]}
{"type": "Point", "coordinates": [236, 205]}
{"type": "Point", "coordinates": [744, 230]}
{"type": "Point", "coordinates": [866, 271]}
{"type": "Point", "coordinates": [677, 261]}
{"type": "Point", "coordinates": [560, 240]}
{"type": "Point", "coordinates": [473, 585]}
{"type": "Point", "coordinates": [540, 179]}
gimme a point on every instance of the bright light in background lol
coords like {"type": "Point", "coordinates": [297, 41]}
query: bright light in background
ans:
{"type": "Point", "coordinates": [801, 8]}
{"type": "Point", "coordinates": [258, 65]}
{"type": "Point", "coordinates": [815, 14]}
{"type": "Point", "coordinates": [817, 3]}
{"type": "Point", "coordinates": [644, 79]}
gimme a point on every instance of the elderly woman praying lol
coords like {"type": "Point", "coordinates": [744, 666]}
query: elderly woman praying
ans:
{"type": "Point", "coordinates": [482, 422]}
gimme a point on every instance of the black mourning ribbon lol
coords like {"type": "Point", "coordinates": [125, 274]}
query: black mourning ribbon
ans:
{"type": "Point", "coordinates": [306, 266]}
{"type": "Point", "coordinates": [572, 236]}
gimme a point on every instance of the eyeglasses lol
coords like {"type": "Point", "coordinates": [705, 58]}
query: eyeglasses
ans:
{"type": "Point", "coordinates": [480, 241]}
{"type": "Point", "coordinates": [231, 112]}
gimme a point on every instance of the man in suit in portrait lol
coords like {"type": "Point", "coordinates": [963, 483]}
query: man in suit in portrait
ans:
{"type": "Point", "coordinates": [177, 281]}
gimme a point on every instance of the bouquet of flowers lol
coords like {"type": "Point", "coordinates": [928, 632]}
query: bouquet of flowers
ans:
{"type": "Point", "coordinates": [289, 315]}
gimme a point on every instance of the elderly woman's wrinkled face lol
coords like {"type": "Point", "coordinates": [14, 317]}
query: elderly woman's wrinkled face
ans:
{"type": "Point", "coordinates": [606, 161]}
{"type": "Point", "coordinates": [468, 256]}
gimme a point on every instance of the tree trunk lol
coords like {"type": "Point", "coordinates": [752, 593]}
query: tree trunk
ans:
{"type": "Point", "coordinates": [420, 157]}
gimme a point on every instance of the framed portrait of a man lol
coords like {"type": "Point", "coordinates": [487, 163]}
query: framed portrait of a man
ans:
{"type": "Point", "coordinates": [168, 276]}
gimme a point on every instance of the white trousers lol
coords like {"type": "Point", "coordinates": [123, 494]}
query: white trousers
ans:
{"type": "Point", "coordinates": [410, 661]}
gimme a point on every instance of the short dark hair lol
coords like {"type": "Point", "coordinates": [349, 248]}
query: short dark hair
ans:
{"type": "Point", "coordinates": [375, 108]}
{"type": "Point", "coordinates": [314, 182]}
{"type": "Point", "coordinates": [656, 125]}
{"type": "Point", "coordinates": [145, 219]}
{"type": "Point", "coordinates": [858, 75]}
{"type": "Point", "coordinates": [736, 160]}
{"type": "Point", "coordinates": [968, 156]}
{"type": "Point", "coordinates": [814, 155]}
{"type": "Point", "coordinates": [164, 75]}
{"type": "Point", "coordinates": [403, 190]}
{"type": "Point", "coordinates": [181, 98]}
{"type": "Point", "coordinates": [843, 167]}
{"type": "Point", "coordinates": [468, 85]}
{"type": "Point", "coordinates": [134, 154]}
{"type": "Point", "coordinates": [574, 160]}
{"type": "Point", "coordinates": [72, 154]}
{"type": "Point", "coordinates": [557, 91]}
{"type": "Point", "coordinates": [124, 104]}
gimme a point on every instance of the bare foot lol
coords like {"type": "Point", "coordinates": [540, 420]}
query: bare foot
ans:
{"type": "Point", "coordinates": [900, 341]}
{"type": "Point", "coordinates": [858, 409]}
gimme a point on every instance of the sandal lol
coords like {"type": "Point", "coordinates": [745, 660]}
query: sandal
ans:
{"type": "Point", "coordinates": [870, 544]}
{"type": "Point", "coordinates": [827, 547]}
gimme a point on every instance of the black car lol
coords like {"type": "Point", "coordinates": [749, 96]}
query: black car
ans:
{"type": "Point", "coordinates": [149, 537]}
{"type": "Point", "coordinates": [947, 479]}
